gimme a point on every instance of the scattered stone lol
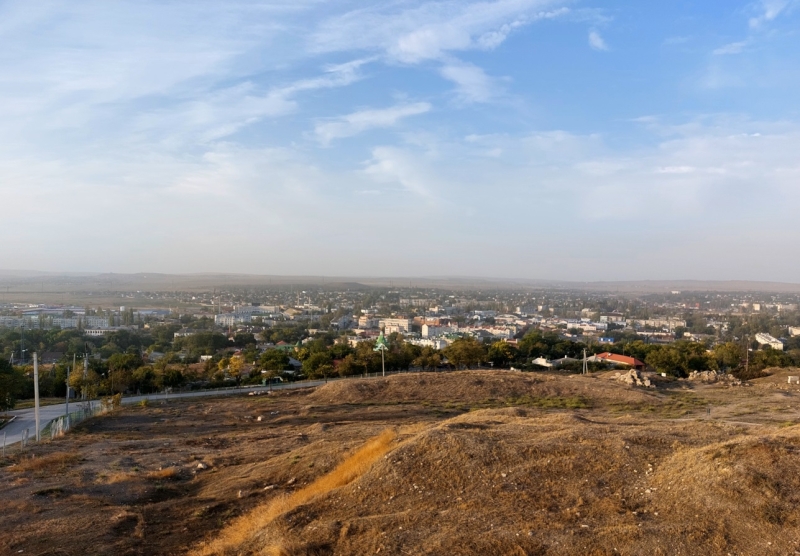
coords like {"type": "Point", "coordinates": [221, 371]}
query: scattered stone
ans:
{"type": "Point", "coordinates": [202, 466]}
{"type": "Point", "coordinates": [712, 377]}
{"type": "Point", "coordinates": [633, 378]}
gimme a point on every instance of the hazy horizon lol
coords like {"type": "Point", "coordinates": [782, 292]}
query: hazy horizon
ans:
{"type": "Point", "coordinates": [554, 140]}
{"type": "Point", "coordinates": [16, 282]}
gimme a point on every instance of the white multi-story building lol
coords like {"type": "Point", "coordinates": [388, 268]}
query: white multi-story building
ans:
{"type": "Point", "coordinates": [613, 317]}
{"type": "Point", "coordinates": [435, 343]}
{"type": "Point", "coordinates": [430, 331]}
{"type": "Point", "coordinates": [794, 330]}
{"type": "Point", "coordinates": [768, 340]}
{"type": "Point", "coordinates": [65, 322]}
{"type": "Point", "coordinates": [395, 325]}
{"type": "Point", "coordinates": [227, 319]}
{"type": "Point", "coordinates": [367, 321]}
{"type": "Point", "coordinates": [666, 323]}
{"type": "Point", "coordinates": [98, 332]}
{"type": "Point", "coordinates": [95, 322]}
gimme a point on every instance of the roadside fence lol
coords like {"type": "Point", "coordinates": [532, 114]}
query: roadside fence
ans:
{"type": "Point", "coordinates": [61, 425]}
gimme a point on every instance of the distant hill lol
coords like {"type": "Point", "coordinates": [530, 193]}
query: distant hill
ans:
{"type": "Point", "coordinates": [34, 281]}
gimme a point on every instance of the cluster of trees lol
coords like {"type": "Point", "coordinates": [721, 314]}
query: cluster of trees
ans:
{"type": "Point", "coordinates": [323, 357]}
{"type": "Point", "coordinates": [116, 362]}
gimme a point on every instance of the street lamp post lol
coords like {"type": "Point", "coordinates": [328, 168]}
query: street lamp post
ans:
{"type": "Point", "coordinates": [381, 345]}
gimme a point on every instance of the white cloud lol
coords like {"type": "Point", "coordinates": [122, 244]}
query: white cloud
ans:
{"type": "Point", "coordinates": [472, 83]}
{"type": "Point", "coordinates": [435, 31]}
{"type": "Point", "coordinates": [358, 122]}
{"type": "Point", "coordinates": [596, 41]}
{"type": "Point", "coordinates": [391, 165]}
{"type": "Point", "coordinates": [429, 30]}
{"type": "Point", "coordinates": [769, 10]}
{"type": "Point", "coordinates": [731, 48]}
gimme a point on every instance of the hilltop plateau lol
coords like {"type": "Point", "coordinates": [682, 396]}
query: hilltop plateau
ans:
{"type": "Point", "coordinates": [473, 462]}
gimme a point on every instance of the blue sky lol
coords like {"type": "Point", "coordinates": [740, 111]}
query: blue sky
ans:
{"type": "Point", "coordinates": [555, 139]}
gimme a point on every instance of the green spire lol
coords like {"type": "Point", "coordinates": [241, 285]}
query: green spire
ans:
{"type": "Point", "coordinates": [381, 343]}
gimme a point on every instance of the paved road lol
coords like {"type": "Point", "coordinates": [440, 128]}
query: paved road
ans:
{"type": "Point", "coordinates": [26, 418]}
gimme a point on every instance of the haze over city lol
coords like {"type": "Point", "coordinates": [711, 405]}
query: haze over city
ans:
{"type": "Point", "coordinates": [532, 139]}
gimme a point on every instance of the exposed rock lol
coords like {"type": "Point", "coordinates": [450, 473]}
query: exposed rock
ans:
{"type": "Point", "coordinates": [713, 376]}
{"type": "Point", "coordinates": [633, 378]}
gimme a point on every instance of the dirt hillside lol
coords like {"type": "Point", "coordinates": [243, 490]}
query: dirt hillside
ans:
{"type": "Point", "coordinates": [510, 482]}
{"type": "Point", "coordinates": [463, 463]}
{"type": "Point", "coordinates": [470, 387]}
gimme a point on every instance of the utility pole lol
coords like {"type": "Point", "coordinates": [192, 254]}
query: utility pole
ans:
{"type": "Point", "coordinates": [747, 361]}
{"type": "Point", "coordinates": [66, 411]}
{"type": "Point", "coordinates": [84, 395]}
{"type": "Point", "coordinates": [36, 392]}
{"type": "Point", "coordinates": [585, 364]}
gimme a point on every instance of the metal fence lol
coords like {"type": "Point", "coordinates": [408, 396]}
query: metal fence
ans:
{"type": "Point", "coordinates": [61, 425]}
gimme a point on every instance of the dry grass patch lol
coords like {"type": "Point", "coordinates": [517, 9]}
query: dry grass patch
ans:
{"type": "Point", "coordinates": [242, 532]}
{"type": "Point", "coordinates": [476, 388]}
{"type": "Point", "coordinates": [163, 474]}
{"type": "Point", "coordinates": [119, 477]}
{"type": "Point", "coordinates": [50, 463]}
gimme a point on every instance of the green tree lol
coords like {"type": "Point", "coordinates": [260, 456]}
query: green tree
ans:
{"type": "Point", "coordinates": [273, 360]}
{"type": "Point", "coordinates": [10, 384]}
{"type": "Point", "coordinates": [501, 354]}
{"type": "Point", "coordinates": [465, 352]}
{"type": "Point", "coordinates": [172, 377]}
{"type": "Point", "coordinates": [729, 355]}
{"type": "Point", "coordinates": [368, 360]}
{"type": "Point", "coordinates": [429, 358]}
{"type": "Point", "coordinates": [143, 379]}
{"type": "Point", "coordinates": [348, 366]}
{"type": "Point", "coordinates": [312, 366]}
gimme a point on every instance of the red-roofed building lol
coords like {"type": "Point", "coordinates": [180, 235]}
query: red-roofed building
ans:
{"type": "Point", "coordinates": [618, 360]}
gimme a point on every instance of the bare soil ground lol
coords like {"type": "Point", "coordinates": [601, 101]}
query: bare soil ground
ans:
{"type": "Point", "coordinates": [473, 463]}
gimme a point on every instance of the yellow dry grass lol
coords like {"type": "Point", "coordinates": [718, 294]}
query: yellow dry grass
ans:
{"type": "Point", "coordinates": [116, 477]}
{"type": "Point", "coordinates": [161, 474]}
{"type": "Point", "coordinates": [242, 530]}
{"type": "Point", "coordinates": [50, 463]}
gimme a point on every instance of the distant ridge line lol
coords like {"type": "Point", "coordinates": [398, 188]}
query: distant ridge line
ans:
{"type": "Point", "coordinates": [156, 281]}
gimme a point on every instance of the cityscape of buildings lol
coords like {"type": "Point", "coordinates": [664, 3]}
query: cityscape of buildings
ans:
{"type": "Point", "coordinates": [435, 317]}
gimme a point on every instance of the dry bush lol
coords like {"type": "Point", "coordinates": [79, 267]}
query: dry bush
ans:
{"type": "Point", "coordinates": [116, 477]}
{"type": "Point", "coordinates": [50, 463]}
{"type": "Point", "coordinates": [166, 473]}
{"type": "Point", "coordinates": [233, 538]}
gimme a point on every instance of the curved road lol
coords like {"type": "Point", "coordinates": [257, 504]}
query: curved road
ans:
{"type": "Point", "coordinates": [26, 418]}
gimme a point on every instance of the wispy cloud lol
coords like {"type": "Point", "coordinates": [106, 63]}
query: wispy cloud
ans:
{"type": "Point", "coordinates": [358, 122]}
{"type": "Point", "coordinates": [221, 113]}
{"type": "Point", "coordinates": [396, 166]}
{"type": "Point", "coordinates": [768, 11]}
{"type": "Point", "coordinates": [431, 29]}
{"type": "Point", "coordinates": [731, 48]}
{"type": "Point", "coordinates": [596, 41]}
{"type": "Point", "coordinates": [436, 31]}
{"type": "Point", "coordinates": [472, 83]}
